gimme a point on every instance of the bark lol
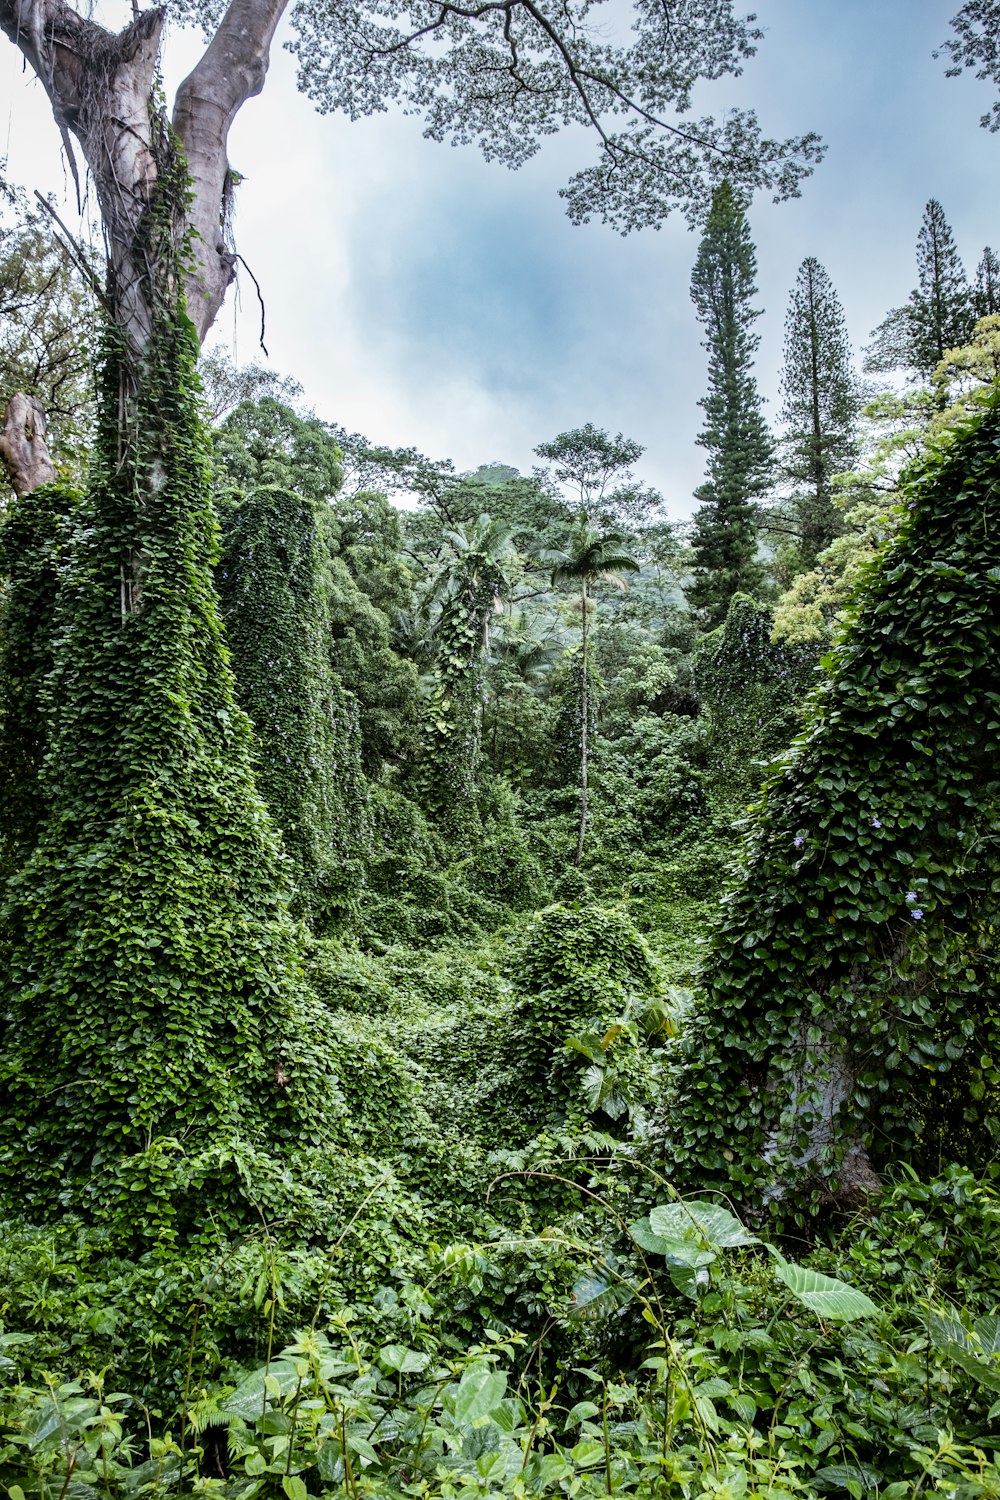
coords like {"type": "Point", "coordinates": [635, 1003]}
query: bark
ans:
{"type": "Point", "coordinates": [22, 445]}
{"type": "Point", "coordinates": [232, 71]}
{"type": "Point", "coordinates": [100, 86]}
{"type": "Point", "coordinates": [584, 735]}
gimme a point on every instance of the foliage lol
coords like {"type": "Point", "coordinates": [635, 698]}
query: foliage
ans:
{"type": "Point", "coordinates": [820, 406]}
{"type": "Point", "coordinates": [35, 539]}
{"type": "Point", "coordinates": [870, 866]}
{"type": "Point", "coordinates": [753, 689]}
{"type": "Point", "coordinates": [583, 977]}
{"type": "Point", "coordinates": [739, 445]}
{"type": "Point", "coordinates": [48, 326]}
{"type": "Point", "coordinates": [307, 765]}
{"type": "Point", "coordinates": [264, 441]}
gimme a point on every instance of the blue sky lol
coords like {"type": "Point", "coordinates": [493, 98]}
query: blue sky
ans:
{"type": "Point", "coordinates": [425, 297]}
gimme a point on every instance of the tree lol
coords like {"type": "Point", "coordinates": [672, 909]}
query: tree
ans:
{"type": "Point", "coordinates": [589, 558]}
{"type": "Point", "coordinates": [599, 468]}
{"type": "Point", "coordinates": [986, 291]}
{"type": "Point", "coordinates": [849, 1012]}
{"type": "Point", "coordinates": [472, 583]}
{"type": "Point", "coordinates": [820, 406]}
{"type": "Point", "coordinates": [146, 942]}
{"type": "Point", "coordinates": [735, 433]}
{"type": "Point", "coordinates": [939, 314]}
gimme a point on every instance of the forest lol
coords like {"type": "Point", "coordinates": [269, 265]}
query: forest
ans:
{"type": "Point", "coordinates": [499, 987]}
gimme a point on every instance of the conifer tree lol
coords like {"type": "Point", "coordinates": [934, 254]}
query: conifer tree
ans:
{"type": "Point", "coordinates": [941, 312]}
{"type": "Point", "coordinates": [820, 405]}
{"type": "Point", "coordinates": [986, 291]}
{"type": "Point", "coordinates": [735, 433]}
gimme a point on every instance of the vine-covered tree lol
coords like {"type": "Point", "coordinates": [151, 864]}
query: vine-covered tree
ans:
{"type": "Point", "coordinates": [723, 286]}
{"type": "Point", "coordinates": [849, 1013]}
{"type": "Point", "coordinates": [472, 583]}
{"type": "Point", "coordinates": [821, 402]}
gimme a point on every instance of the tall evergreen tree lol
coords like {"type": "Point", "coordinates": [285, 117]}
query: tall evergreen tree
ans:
{"type": "Point", "coordinates": [941, 311]}
{"type": "Point", "coordinates": [986, 291]}
{"type": "Point", "coordinates": [821, 401]}
{"type": "Point", "coordinates": [735, 433]}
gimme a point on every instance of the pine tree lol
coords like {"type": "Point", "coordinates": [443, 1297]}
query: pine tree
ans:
{"type": "Point", "coordinates": [940, 308]}
{"type": "Point", "coordinates": [735, 433]}
{"type": "Point", "coordinates": [986, 292]}
{"type": "Point", "coordinates": [820, 405]}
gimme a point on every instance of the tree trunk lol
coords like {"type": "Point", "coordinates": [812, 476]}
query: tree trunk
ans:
{"type": "Point", "coordinates": [102, 88]}
{"type": "Point", "coordinates": [23, 447]}
{"type": "Point", "coordinates": [584, 735]}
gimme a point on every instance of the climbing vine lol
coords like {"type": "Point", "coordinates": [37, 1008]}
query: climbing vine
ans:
{"type": "Point", "coordinates": [853, 969]}
{"type": "Point", "coordinates": [453, 722]}
{"type": "Point", "coordinates": [308, 762]}
{"type": "Point", "coordinates": [34, 541]}
{"type": "Point", "coordinates": [151, 1004]}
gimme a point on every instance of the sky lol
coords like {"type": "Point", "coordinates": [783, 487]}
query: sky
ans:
{"type": "Point", "coordinates": [427, 298]}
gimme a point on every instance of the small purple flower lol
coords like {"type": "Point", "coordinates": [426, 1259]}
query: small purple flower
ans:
{"type": "Point", "coordinates": [911, 895]}
{"type": "Point", "coordinates": [798, 841]}
{"type": "Point", "coordinates": [876, 823]}
{"type": "Point", "coordinates": [916, 914]}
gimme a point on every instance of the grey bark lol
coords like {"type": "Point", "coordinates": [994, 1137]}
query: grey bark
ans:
{"type": "Point", "coordinates": [23, 448]}
{"type": "Point", "coordinates": [100, 87]}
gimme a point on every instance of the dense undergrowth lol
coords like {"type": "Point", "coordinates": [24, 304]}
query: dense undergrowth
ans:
{"type": "Point", "coordinates": [406, 1201]}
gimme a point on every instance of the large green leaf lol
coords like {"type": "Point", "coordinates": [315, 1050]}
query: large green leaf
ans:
{"type": "Point", "coordinates": [696, 1219]}
{"type": "Point", "coordinates": [824, 1295]}
{"type": "Point", "coordinates": [480, 1391]}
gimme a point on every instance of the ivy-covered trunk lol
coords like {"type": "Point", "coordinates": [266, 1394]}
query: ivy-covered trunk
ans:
{"type": "Point", "coordinates": [150, 1007]}
{"type": "Point", "coordinates": [849, 1010]}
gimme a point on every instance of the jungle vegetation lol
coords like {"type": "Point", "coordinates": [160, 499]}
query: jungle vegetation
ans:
{"type": "Point", "coordinates": [498, 990]}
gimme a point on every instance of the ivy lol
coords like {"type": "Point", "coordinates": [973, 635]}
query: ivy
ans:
{"type": "Point", "coordinates": [151, 1011]}
{"type": "Point", "coordinates": [850, 974]}
{"type": "Point", "coordinates": [34, 542]}
{"type": "Point", "coordinates": [308, 761]}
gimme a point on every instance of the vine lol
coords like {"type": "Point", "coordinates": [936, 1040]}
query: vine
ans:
{"type": "Point", "coordinates": [34, 541]}
{"type": "Point", "coordinates": [270, 581]}
{"type": "Point", "coordinates": [853, 965]}
{"type": "Point", "coordinates": [151, 1003]}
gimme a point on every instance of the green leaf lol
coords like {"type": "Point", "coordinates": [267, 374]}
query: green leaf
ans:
{"type": "Point", "coordinates": [704, 1221]}
{"type": "Point", "coordinates": [824, 1295]}
{"type": "Point", "coordinates": [294, 1487]}
{"type": "Point", "coordinates": [479, 1392]}
{"type": "Point", "coordinates": [402, 1361]}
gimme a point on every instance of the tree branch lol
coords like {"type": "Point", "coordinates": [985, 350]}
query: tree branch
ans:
{"type": "Point", "coordinates": [231, 71]}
